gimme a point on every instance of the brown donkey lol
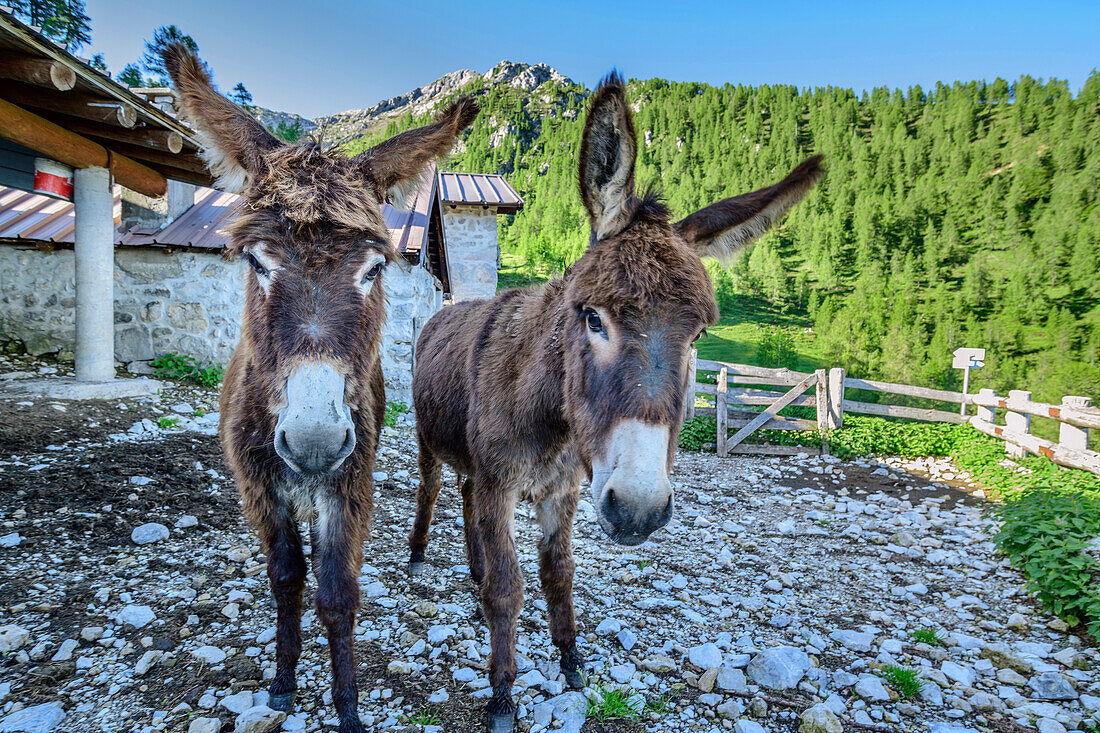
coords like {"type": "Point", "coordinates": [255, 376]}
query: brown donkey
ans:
{"type": "Point", "coordinates": [303, 400]}
{"type": "Point", "coordinates": [530, 392]}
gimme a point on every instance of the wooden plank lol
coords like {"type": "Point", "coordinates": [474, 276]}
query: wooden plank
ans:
{"type": "Point", "coordinates": [778, 405]}
{"type": "Point", "coordinates": [689, 398]}
{"type": "Point", "coordinates": [147, 137]}
{"type": "Point", "coordinates": [821, 406]}
{"type": "Point", "coordinates": [749, 370]}
{"type": "Point", "coordinates": [776, 423]}
{"type": "Point", "coordinates": [1071, 436]}
{"type": "Point", "coordinates": [734, 398]}
{"type": "Point", "coordinates": [1085, 460]}
{"type": "Point", "coordinates": [1017, 422]}
{"type": "Point", "coordinates": [913, 413]}
{"type": "Point", "coordinates": [36, 133]}
{"type": "Point", "coordinates": [836, 398]}
{"type": "Point", "coordinates": [988, 414]}
{"type": "Point", "coordinates": [721, 416]}
{"type": "Point", "coordinates": [704, 388]}
{"type": "Point", "coordinates": [907, 389]}
{"type": "Point", "coordinates": [771, 381]}
{"type": "Point", "coordinates": [752, 449]}
{"type": "Point", "coordinates": [1082, 417]}
{"type": "Point", "coordinates": [73, 104]}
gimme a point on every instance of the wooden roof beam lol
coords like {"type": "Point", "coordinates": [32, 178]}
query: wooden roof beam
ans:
{"type": "Point", "coordinates": [37, 71]}
{"type": "Point", "coordinates": [141, 135]}
{"type": "Point", "coordinates": [74, 105]}
{"type": "Point", "coordinates": [54, 141]}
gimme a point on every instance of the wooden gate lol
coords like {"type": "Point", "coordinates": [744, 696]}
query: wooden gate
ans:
{"type": "Point", "coordinates": [738, 385]}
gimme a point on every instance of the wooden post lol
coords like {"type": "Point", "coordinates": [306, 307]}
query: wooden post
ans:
{"type": "Point", "coordinates": [689, 394]}
{"type": "Point", "coordinates": [822, 406]}
{"type": "Point", "coordinates": [720, 412]}
{"type": "Point", "coordinates": [1069, 435]}
{"type": "Point", "coordinates": [1017, 422]}
{"type": "Point", "coordinates": [836, 398]}
{"type": "Point", "coordinates": [966, 388]}
{"type": "Point", "coordinates": [986, 414]}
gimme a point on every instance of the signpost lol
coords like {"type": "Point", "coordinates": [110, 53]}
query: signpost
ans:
{"type": "Point", "coordinates": [967, 359]}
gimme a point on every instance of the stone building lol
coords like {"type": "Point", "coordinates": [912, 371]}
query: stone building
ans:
{"type": "Point", "coordinates": [175, 293]}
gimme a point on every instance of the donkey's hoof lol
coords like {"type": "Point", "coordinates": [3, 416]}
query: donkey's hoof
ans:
{"type": "Point", "coordinates": [351, 725]}
{"type": "Point", "coordinates": [574, 677]}
{"type": "Point", "coordinates": [572, 666]}
{"type": "Point", "coordinates": [416, 567]}
{"type": "Point", "coordinates": [282, 701]}
{"type": "Point", "coordinates": [502, 722]}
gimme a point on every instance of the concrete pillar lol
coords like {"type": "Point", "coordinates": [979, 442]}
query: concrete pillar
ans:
{"type": "Point", "coordinates": [94, 251]}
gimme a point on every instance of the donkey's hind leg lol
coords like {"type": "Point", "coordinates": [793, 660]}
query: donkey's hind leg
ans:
{"type": "Point", "coordinates": [431, 469]}
{"type": "Point", "coordinates": [475, 554]}
{"type": "Point", "coordinates": [556, 568]}
{"type": "Point", "coordinates": [286, 569]}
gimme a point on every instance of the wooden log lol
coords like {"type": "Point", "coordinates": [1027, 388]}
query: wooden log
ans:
{"type": "Point", "coordinates": [721, 416]}
{"type": "Point", "coordinates": [41, 135]}
{"type": "Point", "coordinates": [689, 396]}
{"type": "Point", "coordinates": [40, 72]}
{"type": "Point", "coordinates": [735, 397]}
{"type": "Point", "coordinates": [749, 370]}
{"type": "Point", "coordinates": [821, 406]}
{"type": "Point", "coordinates": [988, 414]}
{"type": "Point", "coordinates": [73, 105]}
{"type": "Point", "coordinates": [836, 398]}
{"type": "Point", "coordinates": [167, 141]}
{"type": "Point", "coordinates": [778, 405]}
{"type": "Point", "coordinates": [913, 413]}
{"type": "Point", "coordinates": [1071, 436]}
{"type": "Point", "coordinates": [776, 423]}
{"type": "Point", "coordinates": [907, 389]}
{"type": "Point", "coordinates": [1017, 422]}
{"type": "Point", "coordinates": [1082, 417]}
{"type": "Point", "coordinates": [768, 381]}
{"type": "Point", "coordinates": [1085, 460]}
{"type": "Point", "coordinates": [752, 449]}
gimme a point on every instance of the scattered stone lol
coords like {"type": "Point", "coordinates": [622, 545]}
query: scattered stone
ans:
{"type": "Point", "coordinates": [205, 725]}
{"type": "Point", "coordinates": [259, 719]}
{"type": "Point", "coordinates": [820, 719]}
{"type": "Point", "coordinates": [780, 668]}
{"type": "Point", "coordinates": [12, 637]}
{"type": "Point", "coordinates": [149, 533]}
{"type": "Point", "coordinates": [35, 719]}
{"type": "Point", "coordinates": [209, 654]}
{"type": "Point", "coordinates": [1051, 686]}
{"type": "Point", "coordinates": [137, 616]}
{"type": "Point", "coordinates": [705, 656]}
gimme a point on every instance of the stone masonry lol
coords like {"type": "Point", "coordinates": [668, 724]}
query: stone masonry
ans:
{"type": "Point", "coordinates": [472, 252]}
{"type": "Point", "coordinates": [186, 302]}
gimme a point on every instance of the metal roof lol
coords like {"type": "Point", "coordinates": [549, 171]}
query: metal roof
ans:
{"type": "Point", "coordinates": [40, 218]}
{"type": "Point", "coordinates": [487, 190]}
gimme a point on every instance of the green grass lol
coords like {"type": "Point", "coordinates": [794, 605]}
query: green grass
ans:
{"type": "Point", "coordinates": [183, 367]}
{"type": "Point", "coordinates": [394, 410]}
{"type": "Point", "coordinates": [424, 717]}
{"type": "Point", "coordinates": [932, 637]}
{"type": "Point", "coordinates": [611, 703]}
{"type": "Point", "coordinates": [904, 680]}
{"type": "Point", "coordinates": [167, 422]}
{"type": "Point", "coordinates": [514, 272]}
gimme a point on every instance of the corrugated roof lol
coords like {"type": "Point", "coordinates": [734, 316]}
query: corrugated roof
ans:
{"type": "Point", "coordinates": [31, 216]}
{"type": "Point", "coordinates": [487, 190]}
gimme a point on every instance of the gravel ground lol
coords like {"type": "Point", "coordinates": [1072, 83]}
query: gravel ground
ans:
{"type": "Point", "coordinates": [776, 600]}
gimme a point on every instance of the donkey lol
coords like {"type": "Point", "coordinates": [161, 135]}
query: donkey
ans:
{"type": "Point", "coordinates": [303, 401]}
{"type": "Point", "coordinates": [530, 392]}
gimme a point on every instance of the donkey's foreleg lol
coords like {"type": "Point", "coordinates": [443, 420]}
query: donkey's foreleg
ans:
{"type": "Point", "coordinates": [430, 471]}
{"type": "Point", "coordinates": [475, 554]}
{"type": "Point", "coordinates": [501, 598]}
{"type": "Point", "coordinates": [556, 568]}
{"type": "Point", "coordinates": [337, 556]}
{"type": "Point", "coordinates": [286, 569]}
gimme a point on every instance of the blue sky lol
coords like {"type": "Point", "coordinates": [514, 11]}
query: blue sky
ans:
{"type": "Point", "coordinates": [329, 55]}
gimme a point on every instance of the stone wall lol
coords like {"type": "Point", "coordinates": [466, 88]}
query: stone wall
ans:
{"type": "Point", "coordinates": [472, 252]}
{"type": "Point", "coordinates": [187, 302]}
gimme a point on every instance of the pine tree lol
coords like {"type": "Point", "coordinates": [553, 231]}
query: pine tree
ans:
{"type": "Point", "coordinates": [151, 62]}
{"type": "Point", "coordinates": [241, 95]}
{"type": "Point", "coordinates": [130, 76]}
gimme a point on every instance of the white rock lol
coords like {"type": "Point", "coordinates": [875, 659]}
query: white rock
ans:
{"type": "Point", "coordinates": [870, 687]}
{"type": "Point", "coordinates": [149, 533]}
{"type": "Point", "coordinates": [627, 638]}
{"type": "Point", "coordinates": [35, 719]}
{"type": "Point", "coordinates": [747, 726]}
{"type": "Point", "coordinates": [237, 703]}
{"type": "Point", "coordinates": [857, 641]}
{"type": "Point", "coordinates": [779, 668]}
{"type": "Point", "coordinates": [820, 719]}
{"type": "Point", "coordinates": [11, 540]}
{"type": "Point", "coordinates": [965, 676]}
{"type": "Point", "coordinates": [259, 719]}
{"type": "Point", "coordinates": [148, 661]}
{"type": "Point", "coordinates": [705, 655]}
{"type": "Point", "coordinates": [13, 637]}
{"type": "Point", "coordinates": [184, 522]}
{"type": "Point", "coordinates": [209, 654]}
{"type": "Point", "coordinates": [136, 616]}
{"type": "Point", "coordinates": [205, 725]}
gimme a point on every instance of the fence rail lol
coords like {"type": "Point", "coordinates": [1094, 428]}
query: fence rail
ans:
{"type": "Point", "coordinates": [740, 385]}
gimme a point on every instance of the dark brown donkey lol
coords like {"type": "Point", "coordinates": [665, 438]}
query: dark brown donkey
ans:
{"type": "Point", "coordinates": [303, 399]}
{"type": "Point", "coordinates": [530, 392]}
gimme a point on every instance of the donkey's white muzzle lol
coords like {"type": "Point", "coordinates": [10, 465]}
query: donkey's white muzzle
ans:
{"type": "Point", "coordinates": [630, 485]}
{"type": "Point", "coordinates": [315, 433]}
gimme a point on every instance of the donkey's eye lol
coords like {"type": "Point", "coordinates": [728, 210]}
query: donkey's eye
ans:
{"type": "Point", "coordinates": [592, 318]}
{"type": "Point", "coordinates": [255, 264]}
{"type": "Point", "coordinates": [700, 335]}
{"type": "Point", "coordinates": [372, 273]}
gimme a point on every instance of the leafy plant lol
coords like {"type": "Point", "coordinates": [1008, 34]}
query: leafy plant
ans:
{"type": "Point", "coordinates": [929, 636]}
{"type": "Point", "coordinates": [611, 703]}
{"type": "Point", "coordinates": [777, 347]}
{"type": "Point", "coordinates": [167, 422]}
{"type": "Point", "coordinates": [424, 717]}
{"type": "Point", "coordinates": [181, 366]}
{"type": "Point", "coordinates": [906, 681]}
{"type": "Point", "coordinates": [394, 410]}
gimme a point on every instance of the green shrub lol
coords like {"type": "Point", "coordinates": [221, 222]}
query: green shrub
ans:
{"type": "Point", "coordinates": [180, 366]}
{"type": "Point", "coordinates": [931, 637]}
{"type": "Point", "coordinates": [611, 703]}
{"type": "Point", "coordinates": [167, 422]}
{"type": "Point", "coordinates": [904, 680]}
{"type": "Point", "coordinates": [394, 410]}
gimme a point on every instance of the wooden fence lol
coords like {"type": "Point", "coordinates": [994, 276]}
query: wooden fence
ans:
{"type": "Point", "coordinates": [739, 386]}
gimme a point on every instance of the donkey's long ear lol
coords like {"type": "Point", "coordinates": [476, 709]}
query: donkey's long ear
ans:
{"type": "Point", "coordinates": [608, 149]}
{"type": "Point", "coordinates": [233, 142]}
{"type": "Point", "coordinates": [396, 165]}
{"type": "Point", "coordinates": [721, 229]}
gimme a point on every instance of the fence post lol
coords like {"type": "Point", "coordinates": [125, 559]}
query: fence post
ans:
{"type": "Point", "coordinates": [822, 406]}
{"type": "Point", "coordinates": [836, 398]}
{"type": "Point", "coordinates": [986, 414]}
{"type": "Point", "coordinates": [720, 412]}
{"type": "Point", "coordinates": [689, 397]}
{"type": "Point", "coordinates": [1017, 422]}
{"type": "Point", "coordinates": [1072, 436]}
